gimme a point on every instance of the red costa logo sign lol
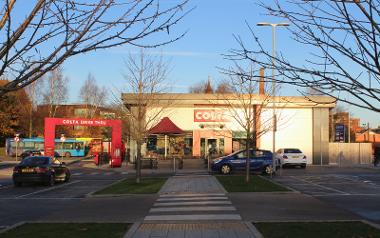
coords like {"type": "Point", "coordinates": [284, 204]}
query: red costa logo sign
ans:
{"type": "Point", "coordinates": [209, 116]}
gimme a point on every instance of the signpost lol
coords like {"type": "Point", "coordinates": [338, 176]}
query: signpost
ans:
{"type": "Point", "coordinates": [17, 140]}
{"type": "Point", "coordinates": [62, 140]}
{"type": "Point", "coordinates": [340, 133]}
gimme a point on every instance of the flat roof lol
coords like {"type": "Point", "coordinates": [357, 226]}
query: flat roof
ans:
{"type": "Point", "coordinates": [182, 99]}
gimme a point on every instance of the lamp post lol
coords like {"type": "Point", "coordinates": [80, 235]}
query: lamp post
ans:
{"type": "Point", "coordinates": [273, 25]}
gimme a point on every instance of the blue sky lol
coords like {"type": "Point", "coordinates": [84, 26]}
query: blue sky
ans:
{"type": "Point", "coordinates": [210, 26]}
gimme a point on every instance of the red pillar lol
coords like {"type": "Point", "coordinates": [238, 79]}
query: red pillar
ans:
{"type": "Point", "coordinates": [49, 136]}
{"type": "Point", "coordinates": [116, 144]}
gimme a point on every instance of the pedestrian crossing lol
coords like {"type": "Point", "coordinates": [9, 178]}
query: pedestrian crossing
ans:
{"type": "Point", "coordinates": [192, 207]}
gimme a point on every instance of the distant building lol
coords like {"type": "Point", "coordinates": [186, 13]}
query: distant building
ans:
{"type": "Point", "coordinates": [368, 135]}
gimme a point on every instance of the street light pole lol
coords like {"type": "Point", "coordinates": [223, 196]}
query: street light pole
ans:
{"type": "Point", "coordinates": [274, 116]}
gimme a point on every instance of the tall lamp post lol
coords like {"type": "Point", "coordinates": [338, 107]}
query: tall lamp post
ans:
{"type": "Point", "coordinates": [273, 25]}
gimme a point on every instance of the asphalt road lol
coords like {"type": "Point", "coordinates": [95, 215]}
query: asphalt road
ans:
{"type": "Point", "coordinates": [70, 201]}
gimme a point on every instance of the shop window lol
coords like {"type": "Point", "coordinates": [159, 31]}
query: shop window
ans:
{"type": "Point", "coordinates": [188, 149]}
{"type": "Point", "coordinates": [152, 143]}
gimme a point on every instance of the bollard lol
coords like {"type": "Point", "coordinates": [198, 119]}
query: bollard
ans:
{"type": "Point", "coordinates": [180, 163]}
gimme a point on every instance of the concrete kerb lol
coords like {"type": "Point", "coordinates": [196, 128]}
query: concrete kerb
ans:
{"type": "Point", "coordinates": [12, 227]}
{"type": "Point", "coordinates": [132, 230]}
{"type": "Point", "coordinates": [253, 229]}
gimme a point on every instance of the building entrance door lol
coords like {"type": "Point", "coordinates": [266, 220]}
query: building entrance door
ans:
{"type": "Point", "coordinates": [212, 147]}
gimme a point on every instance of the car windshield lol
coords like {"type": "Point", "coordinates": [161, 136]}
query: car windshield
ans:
{"type": "Point", "coordinates": [35, 161]}
{"type": "Point", "coordinates": [292, 151]}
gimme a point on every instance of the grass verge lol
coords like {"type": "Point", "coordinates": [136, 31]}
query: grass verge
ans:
{"type": "Point", "coordinates": [237, 183]}
{"type": "Point", "coordinates": [317, 229]}
{"type": "Point", "coordinates": [129, 186]}
{"type": "Point", "coordinates": [68, 230]}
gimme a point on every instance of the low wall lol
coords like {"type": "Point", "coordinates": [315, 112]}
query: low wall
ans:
{"type": "Point", "coordinates": [350, 153]}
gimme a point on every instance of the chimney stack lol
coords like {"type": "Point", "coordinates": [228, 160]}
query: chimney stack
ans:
{"type": "Point", "coordinates": [262, 82]}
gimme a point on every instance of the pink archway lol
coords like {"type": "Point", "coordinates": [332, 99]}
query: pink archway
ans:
{"type": "Point", "coordinates": [116, 144]}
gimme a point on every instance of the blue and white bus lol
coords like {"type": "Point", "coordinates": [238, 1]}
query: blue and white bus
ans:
{"type": "Point", "coordinates": [71, 147]}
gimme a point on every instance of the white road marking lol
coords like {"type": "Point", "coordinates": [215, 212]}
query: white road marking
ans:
{"type": "Point", "coordinates": [94, 173]}
{"type": "Point", "coordinates": [192, 203]}
{"type": "Point", "coordinates": [125, 172]}
{"type": "Point", "coordinates": [194, 217]}
{"type": "Point", "coordinates": [190, 199]}
{"type": "Point", "coordinates": [321, 186]}
{"type": "Point", "coordinates": [192, 195]}
{"type": "Point", "coordinates": [48, 189]}
{"type": "Point", "coordinates": [192, 208]}
{"type": "Point", "coordinates": [76, 174]}
{"type": "Point", "coordinates": [108, 173]}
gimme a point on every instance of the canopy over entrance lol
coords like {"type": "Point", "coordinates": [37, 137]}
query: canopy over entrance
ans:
{"type": "Point", "coordinates": [166, 127]}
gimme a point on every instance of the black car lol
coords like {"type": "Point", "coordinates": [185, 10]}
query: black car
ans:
{"type": "Point", "coordinates": [28, 153]}
{"type": "Point", "coordinates": [43, 169]}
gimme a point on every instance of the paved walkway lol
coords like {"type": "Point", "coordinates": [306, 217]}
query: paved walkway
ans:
{"type": "Point", "coordinates": [192, 206]}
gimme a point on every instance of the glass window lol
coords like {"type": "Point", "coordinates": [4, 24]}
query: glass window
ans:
{"type": "Point", "coordinates": [35, 161]}
{"type": "Point", "coordinates": [151, 144]}
{"type": "Point", "coordinates": [292, 151]}
{"type": "Point", "coordinates": [188, 149]}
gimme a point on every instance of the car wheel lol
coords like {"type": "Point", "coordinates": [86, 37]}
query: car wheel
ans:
{"type": "Point", "coordinates": [303, 166]}
{"type": "Point", "coordinates": [268, 170]}
{"type": "Point", "coordinates": [225, 169]}
{"type": "Point", "coordinates": [67, 154]}
{"type": "Point", "coordinates": [17, 184]}
{"type": "Point", "coordinates": [50, 181]}
{"type": "Point", "coordinates": [67, 177]}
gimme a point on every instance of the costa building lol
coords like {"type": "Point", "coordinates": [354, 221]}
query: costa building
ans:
{"type": "Point", "coordinates": [196, 125]}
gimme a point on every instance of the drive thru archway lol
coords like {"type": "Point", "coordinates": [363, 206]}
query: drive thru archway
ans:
{"type": "Point", "coordinates": [116, 144]}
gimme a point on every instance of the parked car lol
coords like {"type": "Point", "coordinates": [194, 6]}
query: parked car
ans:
{"type": "Point", "coordinates": [43, 169]}
{"type": "Point", "coordinates": [291, 157]}
{"type": "Point", "coordinates": [261, 160]}
{"type": "Point", "coordinates": [28, 153]}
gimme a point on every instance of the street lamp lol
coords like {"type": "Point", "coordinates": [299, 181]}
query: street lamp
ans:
{"type": "Point", "coordinates": [273, 25]}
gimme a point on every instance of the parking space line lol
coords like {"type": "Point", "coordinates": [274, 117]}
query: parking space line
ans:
{"type": "Point", "coordinates": [48, 189]}
{"type": "Point", "coordinates": [321, 186]}
{"type": "Point", "coordinates": [349, 194]}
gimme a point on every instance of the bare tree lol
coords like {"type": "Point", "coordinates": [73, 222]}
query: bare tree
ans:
{"type": "Point", "coordinates": [343, 38]}
{"type": "Point", "coordinates": [53, 31]}
{"type": "Point", "coordinates": [142, 108]}
{"type": "Point", "coordinates": [246, 106]}
{"type": "Point", "coordinates": [35, 98]}
{"type": "Point", "coordinates": [92, 96]}
{"type": "Point", "coordinates": [56, 91]}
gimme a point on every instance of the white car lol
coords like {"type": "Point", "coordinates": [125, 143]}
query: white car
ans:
{"type": "Point", "coordinates": [291, 157]}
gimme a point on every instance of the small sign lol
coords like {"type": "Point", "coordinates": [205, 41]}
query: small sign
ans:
{"type": "Point", "coordinates": [62, 139]}
{"type": "Point", "coordinates": [17, 139]}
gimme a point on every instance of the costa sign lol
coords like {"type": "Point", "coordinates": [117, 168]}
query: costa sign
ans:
{"type": "Point", "coordinates": [84, 122]}
{"type": "Point", "coordinates": [209, 116]}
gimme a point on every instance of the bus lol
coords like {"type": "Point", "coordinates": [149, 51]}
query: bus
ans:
{"type": "Point", "coordinates": [71, 147]}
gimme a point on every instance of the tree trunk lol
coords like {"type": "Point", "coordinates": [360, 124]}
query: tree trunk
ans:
{"type": "Point", "coordinates": [138, 162]}
{"type": "Point", "coordinates": [247, 172]}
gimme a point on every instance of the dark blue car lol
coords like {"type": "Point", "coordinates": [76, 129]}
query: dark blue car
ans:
{"type": "Point", "coordinates": [260, 160]}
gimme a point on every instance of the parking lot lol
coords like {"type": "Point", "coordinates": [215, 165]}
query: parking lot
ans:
{"type": "Point", "coordinates": [354, 189]}
{"type": "Point", "coordinates": [83, 181]}
{"type": "Point", "coordinates": [331, 181]}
